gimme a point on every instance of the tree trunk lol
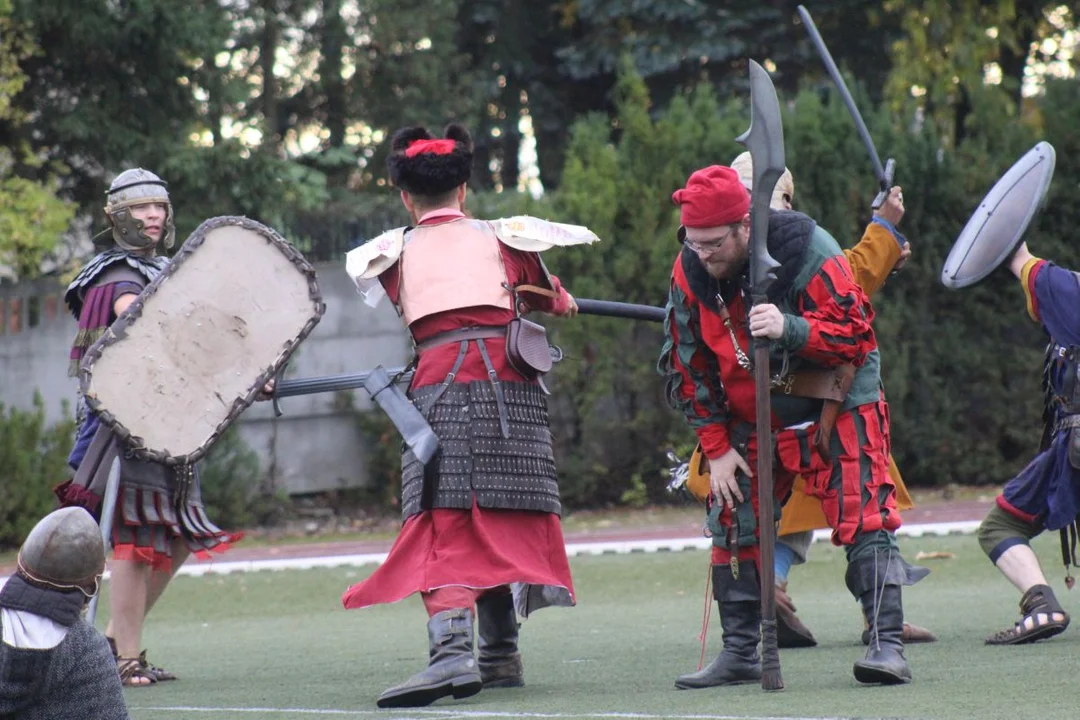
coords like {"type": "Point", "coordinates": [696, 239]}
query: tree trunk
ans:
{"type": "Point", "coordinates": [215, 114]}
{"type": "Point", "coordinates": [268, 44]}
{"type": "Point", "coordinates": [482, 156]}
{"type": "Point", "coordinates": [511, 151]}
{"type": "Point", "coordinates": [960, 114]}
{"type": "Point", "coordinates": [333, 41]}
{"type": "Point", "coordinates": [1013, 61]}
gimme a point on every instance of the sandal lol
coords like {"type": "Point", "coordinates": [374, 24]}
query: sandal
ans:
{"type": "Point", "coordinates": [1043, 617]}
{"type": "Point", "coordinates": [131, 670]}
{"type": "Point", "coordinates": [159, 674]}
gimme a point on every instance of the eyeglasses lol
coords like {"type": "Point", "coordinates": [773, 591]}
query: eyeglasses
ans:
{"type": "Point", "coordinates": [707, 249]}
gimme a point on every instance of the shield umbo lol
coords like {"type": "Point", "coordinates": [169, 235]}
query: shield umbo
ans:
{"type": "Point", "coordinates": [195, 349]}
{"type": "Point", "coordinates": [997, 226]}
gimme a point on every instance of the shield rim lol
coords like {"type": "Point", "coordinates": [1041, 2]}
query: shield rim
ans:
{"type": "Point", "coordinates": [118, 331]}
{"type": "Point", "coordinates": [954, 260]}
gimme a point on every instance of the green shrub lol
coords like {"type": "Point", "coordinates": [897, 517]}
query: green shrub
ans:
{"type": "Point", "coordinates": [33, 460]}
{"type": "Point", "coordinates": [231, 482]}
{"type": "Point", "coordinates": [960, 369]}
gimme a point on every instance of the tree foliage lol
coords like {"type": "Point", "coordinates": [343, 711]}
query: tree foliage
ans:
{"type": "Point", "coordinates": [280, 110]}
{"type": "Point", "coordinates": [32, 217]}
{"type": "Point", "coordinates": [960, 369]}
{"type": "Point", "coordinates": [34, 458]}
{"type": "Point", "coordinates": [949, 49]}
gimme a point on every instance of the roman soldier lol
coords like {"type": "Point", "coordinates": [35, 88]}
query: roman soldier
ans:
{"type": "Point", "coordinates": [160, 516]}
{"type": "Point", "coordinates": [481, 519]}
{"type": "Point", "coordinates": [829, 413]}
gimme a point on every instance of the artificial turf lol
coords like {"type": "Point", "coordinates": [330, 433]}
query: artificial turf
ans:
{"type": "Point", "coordinates": [279, 645]}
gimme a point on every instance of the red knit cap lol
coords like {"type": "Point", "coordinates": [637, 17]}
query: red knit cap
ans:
{"type": "Point", "coordinates": [713, 196]}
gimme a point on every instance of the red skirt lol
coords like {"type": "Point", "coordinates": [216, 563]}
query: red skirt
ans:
{"type": "Point", "coordinates": [477, 549]}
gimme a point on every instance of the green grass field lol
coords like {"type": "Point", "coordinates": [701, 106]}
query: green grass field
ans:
{"type": "Point", "coordinates": [278, 645]}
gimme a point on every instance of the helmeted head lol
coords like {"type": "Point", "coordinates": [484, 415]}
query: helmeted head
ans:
{"type": "Point", "coordinates": [714, 208]}
{"type": "Point", "coordinates": [64, 552]}
{"type": "Point", "coordinates": [783, 193]}
{"type": "Point", "coordinates": [138, 207]}
{"type": "Point", "coordinates": [430, 172]}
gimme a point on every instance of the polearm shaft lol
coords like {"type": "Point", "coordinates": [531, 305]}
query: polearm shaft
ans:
{"type": "Point", "coordinates": [630, 311]}
{"type": "Point", "coordinates": [353, 381]}
{"type": "Point", "coordinates": [765, 141]}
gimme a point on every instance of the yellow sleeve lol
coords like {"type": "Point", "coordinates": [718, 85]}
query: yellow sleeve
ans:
{"type": "Point", "coordinates": [873, 258]}
{"type": "Point", "coordinates": [1029, 288]}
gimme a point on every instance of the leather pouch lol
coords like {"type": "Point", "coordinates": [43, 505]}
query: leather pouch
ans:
{"type": "Point", "coordinates": [527, 347]}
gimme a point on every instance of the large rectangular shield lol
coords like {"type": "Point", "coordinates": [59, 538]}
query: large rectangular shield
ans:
{"type": "Point", "coordinates": [195, 349]}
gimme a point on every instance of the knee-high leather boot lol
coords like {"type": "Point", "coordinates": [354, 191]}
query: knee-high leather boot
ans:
{"type": "Point", "coordinates": [877, 582]}
{"type": "Point", "coordinates": [740, 616]}
{"type": "Point", "coordinates": [497, 641]}
{"type": "Point", "coordinates": [451, 669]}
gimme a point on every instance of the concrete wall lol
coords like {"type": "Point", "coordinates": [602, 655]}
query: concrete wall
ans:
{"type": "Point", "coordinates": [36, 332]}
{"type": "Point", "coordinates": [313, 447]}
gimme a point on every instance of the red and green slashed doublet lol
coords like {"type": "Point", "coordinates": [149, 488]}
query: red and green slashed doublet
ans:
{"type": "Point", "coordinates": [827, 323]}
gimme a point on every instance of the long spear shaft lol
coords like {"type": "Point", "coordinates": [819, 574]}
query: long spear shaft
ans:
{"type": "Point", "coordinates": [353, 381]}
{"type": "Point", "coordinates": [765, 141]}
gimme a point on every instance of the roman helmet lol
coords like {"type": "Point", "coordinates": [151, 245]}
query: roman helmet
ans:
{"type": "Point", "coordinates": [137, 187]}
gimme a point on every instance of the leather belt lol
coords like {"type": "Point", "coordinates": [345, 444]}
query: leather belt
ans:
{"type": "Point", "coordinates": [832, 386]}
{"type": "Point", "coordinates": [466, 333]}
{"type": "Point", "coordinates": [821, 384]}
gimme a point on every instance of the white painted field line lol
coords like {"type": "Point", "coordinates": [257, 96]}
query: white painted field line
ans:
{"type": "Point", "coordinates": [462, 713]}
{"type": "Point", "coordinates": [616, 547]}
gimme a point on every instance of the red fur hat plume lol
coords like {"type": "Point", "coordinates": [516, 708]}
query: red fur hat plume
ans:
{"type": "Point", "coordinates": [421, 164]}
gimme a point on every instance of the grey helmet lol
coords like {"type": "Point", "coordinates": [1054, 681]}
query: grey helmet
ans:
{"type": "Point", "coordinates": [137, 187]}
{"type": "Point", "coordinates": [64, 552]}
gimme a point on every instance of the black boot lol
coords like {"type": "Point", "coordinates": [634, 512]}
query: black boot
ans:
{"type": "Point", "coordinates": [497, 642]}
{"type": "Point", "coordinates": [451, 669]}
{"type": "Point", "coordinates": [876, 582]}
{"type": "Point", "coordinates": [740, 616]}
{"type": "Point", "coordinates": [884, 662]}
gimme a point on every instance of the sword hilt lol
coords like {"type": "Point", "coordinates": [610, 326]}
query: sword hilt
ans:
{"type": "Point", "coordinates": [885, 183]}
{"type": "Point", "coordinates": [275, 398]}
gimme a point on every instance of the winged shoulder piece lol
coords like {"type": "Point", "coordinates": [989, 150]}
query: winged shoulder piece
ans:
{"type": "Point", "coordinates": [524, 232]}
{"type": "Point", "coordinates": [366, 263]}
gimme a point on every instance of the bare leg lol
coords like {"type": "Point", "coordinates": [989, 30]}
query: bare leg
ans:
{"type": "Point", "coordinates": [1043, 616]}
{"type": "Point", "coordinates": [127, 603]}
{"type": "Point", "coordinates": [1021, 566]}
{"type": "Point", "coordinates": [158, 581]}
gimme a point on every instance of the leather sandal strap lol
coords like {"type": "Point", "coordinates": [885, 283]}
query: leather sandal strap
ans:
{"type": "Point", "coordinates": [130, 668]}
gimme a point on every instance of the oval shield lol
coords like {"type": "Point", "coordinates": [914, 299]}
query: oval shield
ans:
{"type": "Point", "coordinates": [997, 226]}
{"type": "Point", "coordinates": [196, 347]}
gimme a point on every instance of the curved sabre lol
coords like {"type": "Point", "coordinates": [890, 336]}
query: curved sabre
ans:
{"type": "Point", "coordinates": [884, 174]}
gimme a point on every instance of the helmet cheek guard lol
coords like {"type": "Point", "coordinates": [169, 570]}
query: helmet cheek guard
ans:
{"type": "Point", "coordinates": [132, 188]}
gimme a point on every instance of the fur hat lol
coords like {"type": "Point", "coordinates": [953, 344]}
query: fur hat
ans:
{"type": "Point", "coordinates": [421, 164]}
